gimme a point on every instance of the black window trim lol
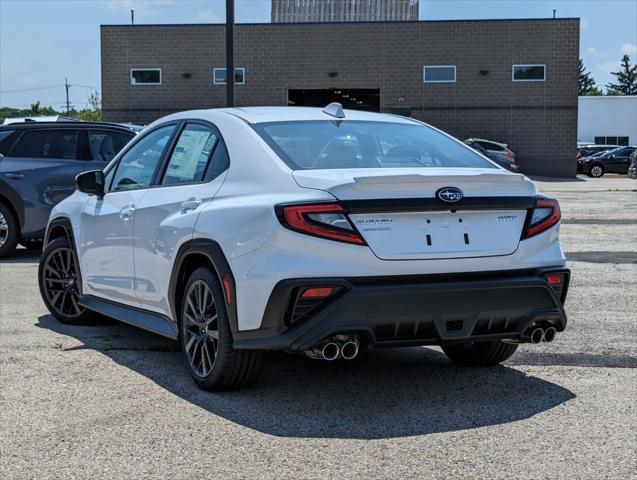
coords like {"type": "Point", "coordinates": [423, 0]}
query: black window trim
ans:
{"type": "Point", "coordinates": [165, 157]}
{"type": "Point", "coordinates": [115, 163]}
{"type": "Point", "coordinates": [157, 183]}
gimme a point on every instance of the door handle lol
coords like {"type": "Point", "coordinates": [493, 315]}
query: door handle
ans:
{"type": "Point", "coordinates": [127, 213]}
{"type": "Point", "coordinates": [16, 176]}
{"type": "Point", "coordinates": [190, 205]}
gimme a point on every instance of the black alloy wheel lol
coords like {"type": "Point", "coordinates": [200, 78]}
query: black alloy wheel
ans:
{"type": "Point", "coordinates": [206, 339]}
{"type": "Point", "coordinates": [200, 328]}
{"type": "Point", "coordinates": [58, 279]}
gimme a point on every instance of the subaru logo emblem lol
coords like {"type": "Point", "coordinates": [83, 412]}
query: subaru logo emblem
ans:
{"type": "Point", "coordinates": [449, 194]}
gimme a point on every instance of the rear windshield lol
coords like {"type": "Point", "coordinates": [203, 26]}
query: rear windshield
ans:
{"type": "Point", "coordinates": [310, 145]}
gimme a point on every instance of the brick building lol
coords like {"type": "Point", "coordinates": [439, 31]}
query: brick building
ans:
{"type": "Point", "coordinates": [513, 81]}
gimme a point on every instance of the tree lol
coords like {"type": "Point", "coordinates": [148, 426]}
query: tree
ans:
{"type": "Point", "coordinates": [595, 92]}
{"type": "Point", "coordinates": [586, 82]}
{"type": "Point", "coordinates": [626, 79]}
{"type": "Point", "coordinates": [92, 111]}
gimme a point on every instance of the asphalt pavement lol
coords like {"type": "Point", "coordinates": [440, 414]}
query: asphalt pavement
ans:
{"type": "Point", "coordinates": [111, 401]}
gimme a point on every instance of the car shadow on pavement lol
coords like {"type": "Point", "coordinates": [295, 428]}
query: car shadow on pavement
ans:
{"type": "Point", "coordinates": [22, 255]}
{"type": "Point", "coordinates": [381, 394]}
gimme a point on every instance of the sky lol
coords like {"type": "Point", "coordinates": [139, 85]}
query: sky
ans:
{"type": "Point", "coordinates": [43, 42]}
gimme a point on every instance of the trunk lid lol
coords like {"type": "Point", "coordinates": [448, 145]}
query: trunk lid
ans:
{"type": "Point", "coordinates": [400, 217]}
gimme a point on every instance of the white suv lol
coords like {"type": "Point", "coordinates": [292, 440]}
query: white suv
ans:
{"type": "Point", "coordinates": [242, 230]}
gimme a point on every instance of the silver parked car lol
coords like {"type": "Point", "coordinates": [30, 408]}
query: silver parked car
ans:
{"type": "Point", "coordinates": [498, 152]}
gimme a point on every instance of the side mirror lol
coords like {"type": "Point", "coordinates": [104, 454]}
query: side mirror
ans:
{"type": "Point", "coordinates": [91, 182]}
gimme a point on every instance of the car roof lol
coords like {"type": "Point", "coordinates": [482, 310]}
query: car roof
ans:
{"type": "Point", "coordinates": [255, 115]}
{"type": "Point", "coordinates": [65, 125]}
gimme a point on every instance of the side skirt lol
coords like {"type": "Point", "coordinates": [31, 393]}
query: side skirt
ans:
{"type": "Point", "coordinates": [153, 322]}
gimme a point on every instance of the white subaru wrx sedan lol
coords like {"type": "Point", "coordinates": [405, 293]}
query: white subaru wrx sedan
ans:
{"type": "Point", "coordinates": [323, 231]}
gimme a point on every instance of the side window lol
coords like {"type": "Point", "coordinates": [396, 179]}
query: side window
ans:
{"type": "Point", "coordinates": [137, 167]}
{"type": "Point", "coordinates": [7, 139]}
{"type": "Point", "coordinates": [106, 144]}
{"type": "Point", "coordinates": [190, 156]}
{"type": "Point", "coordinates": [58, 144]}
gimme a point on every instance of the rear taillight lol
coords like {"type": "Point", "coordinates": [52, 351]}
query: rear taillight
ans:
{"type": "Point", "coordinates": [325, 220]}
{"type": "Point", "coordinates": [545, 214]}
{"type": "Point", "coordinates": [509, 153]}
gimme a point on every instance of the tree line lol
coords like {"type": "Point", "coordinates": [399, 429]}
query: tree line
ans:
{"type": "Point", "coordinates": [92, 111]}
{"type": "Point", "coordinates": [625, 81]}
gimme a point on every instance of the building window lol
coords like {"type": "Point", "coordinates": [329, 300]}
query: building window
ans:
{"type": "Point", "coordinates": [219, 76]}
{"type": "Point", "coordinates": [439, 73]}
{"type": "Point", "coordinates": [145, 76]}
{"type": "Point", "coordinates": [528, 73]}
{"type": "Point", "coordinates": [619, 141]}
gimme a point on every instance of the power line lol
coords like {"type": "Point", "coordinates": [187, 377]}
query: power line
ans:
{"type": "Point", "coordinates": [31, 89]}
{"type": "Point", "coordinates": [47, 87]}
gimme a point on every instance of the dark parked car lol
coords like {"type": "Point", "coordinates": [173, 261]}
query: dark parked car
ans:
{"type": "Point", "coordinates": [590, 150]}
{"type": "Point", "coordinates": [500, 153]}
{"type": "Point", "coordinates": [612, 161]}
{"type": "Point", "coordinates": [632, 170]}
{"type": "Point", "coordinates": [38, 165]}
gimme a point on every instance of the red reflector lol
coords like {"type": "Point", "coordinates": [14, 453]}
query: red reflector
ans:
{"type": "Point", "coordinates": [318, 292]}
{"type": "Point", "coordinates": [554, 278]}
{"type": "Point", "coordinates": [227, 288]}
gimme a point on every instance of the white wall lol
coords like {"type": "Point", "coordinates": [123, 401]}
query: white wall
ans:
{"type": "Point", "coordinates": [607, 116]}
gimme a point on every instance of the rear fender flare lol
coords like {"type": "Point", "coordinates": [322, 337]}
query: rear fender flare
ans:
{"type": "Point", "coordinates": [212, 250]}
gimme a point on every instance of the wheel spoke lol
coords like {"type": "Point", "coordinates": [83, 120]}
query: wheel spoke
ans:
{"type": "Point", "coordinates": [190, 342]}
{"type": "Point", "coordinates": [192, 307]}
{"type": "Point", "coordinates": [191, 320]}
{"type": "Point", "coordinates": [194, 353]}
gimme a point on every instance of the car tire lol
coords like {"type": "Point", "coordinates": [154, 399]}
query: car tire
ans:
{"type": "Point", "coordinates": [58, 279]}
{"type": "Point", "coordinates": [479, 354]}
{"type": "Point", "coordinates": [8, 230]}
{"type": "Point", "coordinates": [596, 170]}
{"type": "Point", "coordinates": [206, 339]}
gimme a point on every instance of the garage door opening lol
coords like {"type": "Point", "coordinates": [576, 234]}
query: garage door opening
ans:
{"type": "Point", "coordinates": [352, 98]}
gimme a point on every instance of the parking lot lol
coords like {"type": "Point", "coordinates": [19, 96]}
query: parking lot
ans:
{"type": "Point", "coordinates": [110, 401]}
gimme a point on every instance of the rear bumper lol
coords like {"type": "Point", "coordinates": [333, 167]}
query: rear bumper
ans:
{"type": "Point", "coordinates": [408, 310]}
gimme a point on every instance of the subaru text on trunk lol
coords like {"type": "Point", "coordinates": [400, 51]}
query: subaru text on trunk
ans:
{"type": "Point", "coordinates": [324, 232]}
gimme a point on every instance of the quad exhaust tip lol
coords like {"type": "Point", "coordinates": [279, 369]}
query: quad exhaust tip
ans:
{"type": "Point", "coordinates": [330, 351]}
{"type": "Point", "coordinates": [339, 346]}
{"type": "Point", "coordinates": [349, 350]}
{"type": "Point", "coordinates": [550, 334]}
{"type": "Point", "coordinates": [537, 335]}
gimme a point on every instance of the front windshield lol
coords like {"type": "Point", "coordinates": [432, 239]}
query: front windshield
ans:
{"type": "Point", "coordinates": [322, 144]}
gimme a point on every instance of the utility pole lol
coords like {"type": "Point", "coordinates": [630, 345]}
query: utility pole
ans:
{"type": "Point", "coordinates": [66, 86]}
{"type": "Point", "coordinates": [132, 16]}
{"type": "Point", "coordinates": [230, 53]}
{"type": "Point", "coordinates": [554, 12]}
